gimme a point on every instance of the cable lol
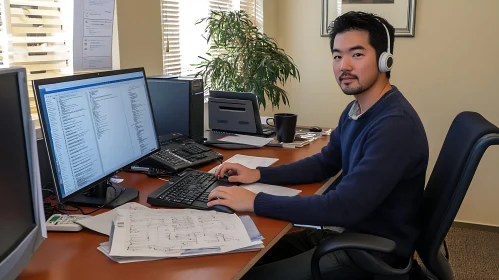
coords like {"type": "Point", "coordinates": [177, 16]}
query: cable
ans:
{"type": "Point", "coordinates": [61, 208]}
{"type": "Point", "coordinates": [45, 189]}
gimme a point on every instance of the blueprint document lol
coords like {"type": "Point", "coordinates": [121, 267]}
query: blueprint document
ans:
{"type": "Point", "coordinates": [169, 233]}
{"type": "Point", "coordinates": [251, 229]}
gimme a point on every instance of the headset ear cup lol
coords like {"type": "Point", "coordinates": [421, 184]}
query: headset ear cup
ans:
{"type": "Point", "coordinates": [385, 62]}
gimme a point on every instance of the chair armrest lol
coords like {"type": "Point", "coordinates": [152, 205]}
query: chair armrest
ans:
{"type": "Point", "coordinates": [357, 245]}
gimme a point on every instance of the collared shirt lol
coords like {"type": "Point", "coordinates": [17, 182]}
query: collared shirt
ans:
{"type": "Point", "coordinates": [354, 112]}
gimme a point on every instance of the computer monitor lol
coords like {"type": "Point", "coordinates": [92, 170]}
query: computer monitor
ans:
{"type": "Point", "coordinates": [95, 125]}
{"type": "Point", "coordinates": [20, 217]}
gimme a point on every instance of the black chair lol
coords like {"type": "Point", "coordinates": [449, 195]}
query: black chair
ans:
{"type": "Point", "coordinates": [468, 137]}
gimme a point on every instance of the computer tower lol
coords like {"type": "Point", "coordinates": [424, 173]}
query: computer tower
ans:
{"type": "Point", "coordinates": [178, 105]}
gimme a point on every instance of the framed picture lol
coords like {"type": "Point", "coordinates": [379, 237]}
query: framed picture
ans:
{"type": "Point", "coordinates": [400, 13]}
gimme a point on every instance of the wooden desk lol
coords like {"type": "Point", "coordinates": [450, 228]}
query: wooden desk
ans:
{"type": "Point", "coordinates": [73, 256]}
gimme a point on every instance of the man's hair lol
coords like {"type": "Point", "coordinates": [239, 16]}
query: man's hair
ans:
{"type": "Point", "coordinates": [364, 22]}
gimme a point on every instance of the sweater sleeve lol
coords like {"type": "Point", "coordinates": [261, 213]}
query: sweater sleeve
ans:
{"type": "Point", "coordinates": [389, 151]}
{"type": "Point", "coordinates": [312, 169]}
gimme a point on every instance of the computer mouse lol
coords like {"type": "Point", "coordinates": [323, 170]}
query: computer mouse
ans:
{"type": "Point", "coordinates": [225, 180]}
{"type": "Point", "coordinates": [315, 129]}
{"type": "Point", "coordinates": [221, 208]}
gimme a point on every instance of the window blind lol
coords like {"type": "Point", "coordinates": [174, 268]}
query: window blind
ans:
{"type": "Point", "coordinates": [37, 41]}
{"type": "Point", "coordinates": [182, 41]}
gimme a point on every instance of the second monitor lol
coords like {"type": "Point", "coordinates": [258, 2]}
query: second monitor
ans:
{"type": "Point", "coordinates": [95, 125]}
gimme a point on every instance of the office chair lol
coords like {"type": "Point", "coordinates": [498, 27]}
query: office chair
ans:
{"type": "Point", "coordinates": [468, 137]}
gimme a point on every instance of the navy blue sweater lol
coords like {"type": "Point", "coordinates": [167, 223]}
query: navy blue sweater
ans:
{"type": "Point", "coordinates": [383, 156]}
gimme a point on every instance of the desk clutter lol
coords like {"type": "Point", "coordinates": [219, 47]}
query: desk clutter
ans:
{"type": "Point", "coordinates": [138, 233]}
{"type": "Point", "coordinates": [227, 140]}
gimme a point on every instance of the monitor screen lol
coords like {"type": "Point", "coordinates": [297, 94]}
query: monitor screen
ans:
{"type": "Point", "coordinates": [16, 210]}
{"type": "Point", "coordinates": [95, 125]}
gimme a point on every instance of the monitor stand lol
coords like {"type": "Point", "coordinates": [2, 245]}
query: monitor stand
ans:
{"type": "Point", "coordinates": [103, 193]}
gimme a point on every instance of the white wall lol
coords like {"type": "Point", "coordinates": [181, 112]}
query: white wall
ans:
{"type": "Point", "coordinates": [140, 36]}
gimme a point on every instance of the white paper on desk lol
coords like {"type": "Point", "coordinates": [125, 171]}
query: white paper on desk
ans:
{"type": "Point", "coordinates": [271, 189]}
{"type": "Point", "coordinates": [249, 225]}
{"type": "Point", "coordinates": [116, 180]}
{"type": "Point", "coordinates": [104, 248]}
{"type": "Point", "coordinates": [37, 183]}
{"type": "Point", "coordinates": [249, 161]}
{"type": "Point", "coordinates": [247, 140]}
{"type": "Point", "coordinates": [166, 233]}
{"type": "Point", "coordinates": [102, 223]}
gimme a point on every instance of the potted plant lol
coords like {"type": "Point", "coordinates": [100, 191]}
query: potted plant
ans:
{"type": "Point", "coordinates": [243, 59]}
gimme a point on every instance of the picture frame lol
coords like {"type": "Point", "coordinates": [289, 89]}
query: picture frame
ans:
{"type": "Point", "coordinates": [400, 13]}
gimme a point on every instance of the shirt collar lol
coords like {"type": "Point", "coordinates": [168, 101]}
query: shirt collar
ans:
{"type": "Point", "coordinates": [355, 113]}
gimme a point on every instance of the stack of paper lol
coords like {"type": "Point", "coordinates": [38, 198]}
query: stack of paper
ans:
{"type": "Point", "coordinates": [248, 161]}
{"type": "Point", "coordinates": [140, 234]}
{"type": "Point", "coordinates": [299, 141]}
{"type": "Point", "coordinates": [102, 223]}
{"type": "Point", "coordinates": [246, 139]}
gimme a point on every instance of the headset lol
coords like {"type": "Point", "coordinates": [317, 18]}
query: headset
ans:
{"type": "Point", "coordinates": [385, 61]}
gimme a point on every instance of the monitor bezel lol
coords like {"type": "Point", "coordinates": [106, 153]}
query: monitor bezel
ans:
{"type": "Point", "coordinates": [55, 177]}
{"type": "Point", "coordinates": [20, 255]}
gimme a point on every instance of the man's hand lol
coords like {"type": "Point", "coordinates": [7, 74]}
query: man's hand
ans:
{"type": "Point", "coordinates": [237, 198]}
{"type": "Point", "coordinates": [238, 173]}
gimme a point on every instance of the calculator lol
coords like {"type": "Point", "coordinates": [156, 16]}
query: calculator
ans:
{"type": "Point", "coordinates": [60, 222]}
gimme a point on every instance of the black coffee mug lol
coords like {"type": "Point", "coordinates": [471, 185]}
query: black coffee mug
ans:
{"type": "Point", "coordinates": [285, 126]}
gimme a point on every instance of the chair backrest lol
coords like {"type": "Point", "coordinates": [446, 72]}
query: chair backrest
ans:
{"type": "Point", "coordinates": [468, 137]}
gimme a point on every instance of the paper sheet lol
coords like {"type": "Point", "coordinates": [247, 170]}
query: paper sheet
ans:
{"type": "Point", "coordinates": [105, 249]}
{"type": "Point", "coordinates": [102, 222]}
{"type": "Point", "coordinates": [92, 34]}
{"type": "Point", "coordinates": [271, 189]}
{"type": "Point", "coordinates": [165, 232]}
{"type": "Point", "coordinates": [249, 161]}
{"type": "Point", "coordinates": [249, 225]}
{"type": "Point", "coordinates": [246, 139]}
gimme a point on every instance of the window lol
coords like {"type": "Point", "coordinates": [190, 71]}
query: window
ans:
{"type": "Point", "coordinates": [34, 38]}
{"type": "Point", "coordinates": [182, 39]}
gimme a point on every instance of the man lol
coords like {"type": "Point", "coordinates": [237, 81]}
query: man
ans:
{"type": "Point", "coordinates": [379, 144]}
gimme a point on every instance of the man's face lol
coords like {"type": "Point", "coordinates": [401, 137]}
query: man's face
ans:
{"type": "Point", "coordinates": [354, 62]}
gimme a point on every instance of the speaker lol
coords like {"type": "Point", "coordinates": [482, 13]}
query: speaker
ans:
{"type": "Point", "coordinates": [178, 105]}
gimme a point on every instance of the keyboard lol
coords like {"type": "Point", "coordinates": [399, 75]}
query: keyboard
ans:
{"type": "Point", "coordinates": [178, 153]}
{"type": "Point", "coordinates": [189, 190]}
